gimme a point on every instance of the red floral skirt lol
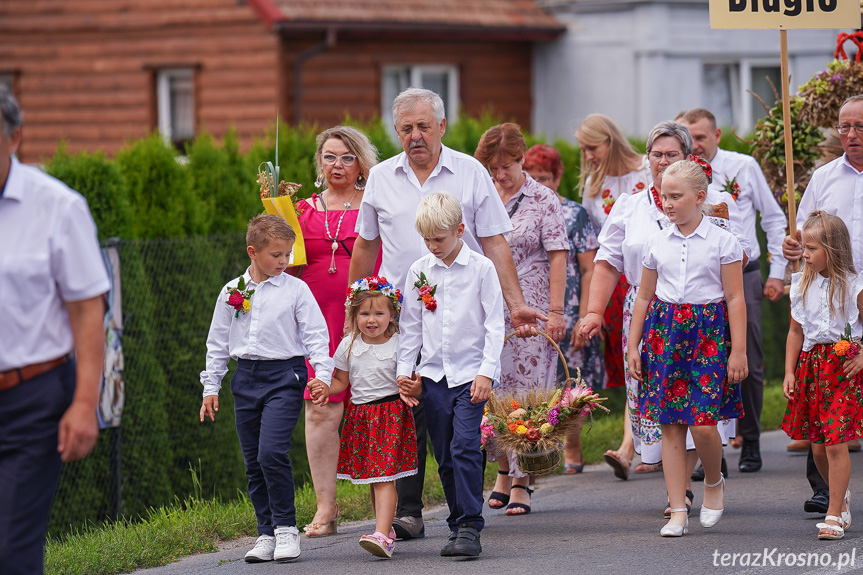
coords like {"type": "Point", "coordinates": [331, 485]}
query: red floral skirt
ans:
{"type": "Point", "coordinates": [613, 329]}
{"type": "Point", "coordinates": [827, 406]}
{"type": "Point", "coordinates": [379, 442]}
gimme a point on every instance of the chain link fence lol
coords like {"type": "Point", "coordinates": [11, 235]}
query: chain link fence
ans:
{"type": "Point", "coordinates": [169, 288]}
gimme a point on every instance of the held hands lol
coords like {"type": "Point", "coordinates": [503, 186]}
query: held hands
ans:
{"type": "Point", "coordinates": [737, 367]}
{"type": "Point", "coordinates": [792, 248]}
{"type": "Point", "coordinates": [209, 407]}
{"type": "Point", "coordinates": [524, 320]}
{"type": "Point", "coordinates": [319, 391]}
{"type": "Point", "coordinates": [788, 386]}
{"type": "Point", "coordinates": [853, 366]}
{"type": "Point", "coordinates": [480, 389]}
{"type": "Point", "coordinates": [591, 324]}
{"type": "Point", "coordinates": [410, 388]}
{"type": "Point", "coordinates": [576, 342]}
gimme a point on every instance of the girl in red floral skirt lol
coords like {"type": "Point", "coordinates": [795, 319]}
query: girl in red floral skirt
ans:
{"type": "Point", "coordinates": [690, 300]}
{"type": "Point", "coordinates": [823, 360]}
{"type": "Point", "coordinates": [378, 442]}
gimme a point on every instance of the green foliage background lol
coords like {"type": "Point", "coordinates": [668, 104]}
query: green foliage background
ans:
{"type": "Point", "coordinates": [181, 223]}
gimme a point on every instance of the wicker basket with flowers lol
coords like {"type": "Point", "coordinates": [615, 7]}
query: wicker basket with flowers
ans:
{"type": "Point", "coordinates": [532, 425]}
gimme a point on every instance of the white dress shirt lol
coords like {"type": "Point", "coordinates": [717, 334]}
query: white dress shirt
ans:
{"type": "Point", "coordinates": [49, 254]}
{"type": "Point", "coordinates": [284, 322]}
{"type": "Point", "coordinates": [837, 188]}
{"type": "Point", "coordinates": [813, 312]}
{"type": "Point", "coordinates": [393, 193]}
{"type": "Point", "coordinates": [371, 367]}
{"type": "Point", "coordinates": [689, 267]}
{"type": "Point", "coordinates": [755, 196]}
{"type": "Point", "coordinates": [614, 187]}
{"type": "Point", "coordinates": [635, 218]}
{"type": "Point", "coordinates": [463, 337]}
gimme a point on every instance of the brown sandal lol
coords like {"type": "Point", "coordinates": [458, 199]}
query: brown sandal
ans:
{"type": "Point", "coordinates": [620, 467]}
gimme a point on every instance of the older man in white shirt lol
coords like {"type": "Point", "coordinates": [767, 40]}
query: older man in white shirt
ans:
{"type": "Point", "coordinates": [741, 176]}
{"type": "Point", "coordinates": [52, 277]}
{"type": "Point", "coordinates": [836, 188]}
{"type": "Point", "coordinates": [386, 217]}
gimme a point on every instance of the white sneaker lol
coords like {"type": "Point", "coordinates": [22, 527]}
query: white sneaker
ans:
{"type": "Point", "coordinates": [263, 550]}
{"type": "Point", "coordinates": [287, 544]}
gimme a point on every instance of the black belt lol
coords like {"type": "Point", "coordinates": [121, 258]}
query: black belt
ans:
{"type": "Point", "coordinates": [752, 266]}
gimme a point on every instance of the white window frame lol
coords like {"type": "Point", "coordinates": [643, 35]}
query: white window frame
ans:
{"type": "Point", "coordinates": [164, 77]}
{"type": "Point", "coordinates": [416, 72]}
{"type": "Point", "coordinates": [743, 104]}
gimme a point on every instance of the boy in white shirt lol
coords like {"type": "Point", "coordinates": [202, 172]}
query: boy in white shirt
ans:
{"type": "Point", "coordinates": [452, 317]}
{"type": "Point", "coordinates": [268, 321]}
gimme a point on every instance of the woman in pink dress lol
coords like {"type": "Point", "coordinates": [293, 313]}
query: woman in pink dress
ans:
{"type": "Point", "coordinates": [343, 158]}
{"type": "Point", "coordinates": [539, 246]}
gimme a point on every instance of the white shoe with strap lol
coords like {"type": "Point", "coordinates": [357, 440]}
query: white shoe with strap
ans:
{"type": "Point", "coordinates": [710, 517]}
{"type": "Point", "coordinates": [673, 529]}
{"type": "Point", "coordinates": [828, 531]}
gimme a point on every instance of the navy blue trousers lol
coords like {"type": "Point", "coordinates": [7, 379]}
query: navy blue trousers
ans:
{"type": "Point", "coordinates": [268, 396]}
{"type": "Point", "coordinates": [30, 465]}
{"type": "Point", "coordinates": [453, 424]}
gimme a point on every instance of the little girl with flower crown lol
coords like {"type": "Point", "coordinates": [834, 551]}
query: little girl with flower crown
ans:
{"type": "Point", "coordinates": [823, 360]}
{"type": "Point", "coordinates": [378, 442]}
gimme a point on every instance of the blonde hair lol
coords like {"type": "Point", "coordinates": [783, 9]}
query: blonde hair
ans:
{"type": "Point", "coordinates": [438, 212]}
{"type": "Point", "coordinates": [690, 172]}
{"type": "Point", "coordinates": [265, 228]}
{"type": "Point", "coordinates": [830, 231]}
{"type": "Point", "coordinates": [354, 311]}
{"type": "Point", "coordinates": [355, 141]}
{"type": "Point", "coordinates": [596, 130]}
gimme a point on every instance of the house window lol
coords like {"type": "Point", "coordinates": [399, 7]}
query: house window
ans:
{"type": "Point", "coordinates": [728, 89]}
{"type": "Point", "coordinates": [175, 103]}
{"type": "Point", "coordinates": [7, 79]}
{"type": "Point", "coordinates": [441, 79]}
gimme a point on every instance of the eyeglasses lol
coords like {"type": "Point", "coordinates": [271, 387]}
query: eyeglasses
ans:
{"type": "Point", "coordinates": [347, 159]}
{"type": "Point", "coordinates": [846, 128]}
{"type": "Point", "coordinates": [670, 156]}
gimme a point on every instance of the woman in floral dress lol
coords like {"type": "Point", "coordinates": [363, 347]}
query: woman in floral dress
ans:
{"type": "Point", "coordinates": [610, 168]}
{"type": "Point", "coordinates": [539, 244]}
{"type": "Point", "coordinates": [544, 164]}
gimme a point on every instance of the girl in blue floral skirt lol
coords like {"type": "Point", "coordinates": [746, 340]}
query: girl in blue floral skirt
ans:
{"type": "Point", "coordinates": [690, 301]}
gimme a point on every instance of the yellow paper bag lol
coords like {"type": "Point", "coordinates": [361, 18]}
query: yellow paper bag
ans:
{"type": "Point", "coordinates": [284, 208]}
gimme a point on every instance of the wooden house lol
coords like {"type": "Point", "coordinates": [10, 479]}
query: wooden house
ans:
{"type": "Point", "coordinates": [97, 73]}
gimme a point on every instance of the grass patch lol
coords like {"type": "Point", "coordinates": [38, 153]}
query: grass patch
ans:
{"type": "Point", "coordinates": [197, 526]}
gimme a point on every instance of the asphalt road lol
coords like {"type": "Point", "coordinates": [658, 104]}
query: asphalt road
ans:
{"type": "Point", "coordinates": [593, 523]}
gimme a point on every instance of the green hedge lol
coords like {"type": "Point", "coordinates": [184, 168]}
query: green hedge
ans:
{"type": "Point", "coordinates": [181, 222]}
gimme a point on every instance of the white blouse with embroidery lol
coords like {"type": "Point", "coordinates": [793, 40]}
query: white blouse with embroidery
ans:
{"type": "Point", "coordinates": [813, 311]}
{"type": "Point", "coordinates": [371, 367]}
{"type": "Point", "coordinates": [613, 187]}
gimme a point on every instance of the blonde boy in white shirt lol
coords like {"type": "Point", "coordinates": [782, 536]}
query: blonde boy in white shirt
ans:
{"type": "Point", "coordinates": [269, 333]}
{"type": "Point", "coordinates": [452, 317]}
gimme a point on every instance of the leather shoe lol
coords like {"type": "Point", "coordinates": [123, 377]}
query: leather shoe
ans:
{"type": "Point", "coordinates": [450, 542]}
{"type": "Point", "coordinates": [409, 528]}
{"type": "Point", "coordinates": [818, 503]}
{"type": "Point", "coordinates": [466, 542]}
{"type": "Point", "coordinates": [750, 456]}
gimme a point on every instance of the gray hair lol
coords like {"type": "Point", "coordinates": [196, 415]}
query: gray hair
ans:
{"type": "Point", "coordinates": [10, 113]}
{"type": "Point", "coordinates": [851, 100]}
{"type": "Point", "coordinates": [410, 97]}
{"type": "Point", "coordinates": [673, 130]}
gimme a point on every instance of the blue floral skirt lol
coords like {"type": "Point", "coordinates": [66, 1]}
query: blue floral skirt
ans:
{"type": "Point", "coordinates": [685, 360]}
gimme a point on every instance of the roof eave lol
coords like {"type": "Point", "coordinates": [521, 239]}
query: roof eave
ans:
{"type": "Point", "coordinates": [408, 30]}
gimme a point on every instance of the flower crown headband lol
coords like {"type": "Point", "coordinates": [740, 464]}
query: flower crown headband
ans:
{"type": "Point", "coordinates": [375, 283]}
{"type": "Point", "coordinates": [705, 165]}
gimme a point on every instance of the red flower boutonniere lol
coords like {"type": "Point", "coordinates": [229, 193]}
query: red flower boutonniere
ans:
{"type": "Point", "coordinates": [847, 346]}
{"type": "Point", "coordinates": [240, 298]}
{"type": "Point", "coordinates": [732, 187]}
{"type": "Point", "coordinates": [426, 292]}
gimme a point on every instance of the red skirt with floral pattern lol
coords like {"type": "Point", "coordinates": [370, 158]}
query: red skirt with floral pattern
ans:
{"type": "Point", "coordinates": [827, 406]}
{"type": "Point", "coordinates": [379, 442]}
{"type": "Point", "coordinates": [613, 328]}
